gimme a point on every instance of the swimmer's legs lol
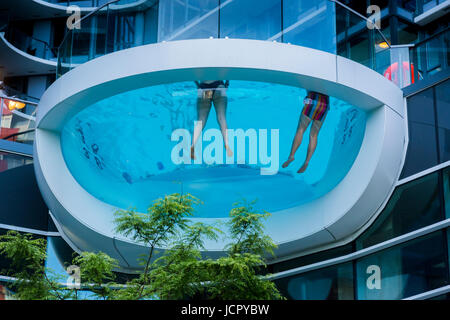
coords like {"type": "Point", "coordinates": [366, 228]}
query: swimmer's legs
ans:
{"type": "Point", "coordinates": [303, 124]}
{"type": "Point", "coordinates": [313, 136]}
{"type": "Point", "coordinates": [203, 109]}
{"type": "Point", "coordinates": [220, 104]}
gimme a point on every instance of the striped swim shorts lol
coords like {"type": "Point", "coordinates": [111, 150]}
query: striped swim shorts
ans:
{"type": "Point", "coordinates": [316, 105]}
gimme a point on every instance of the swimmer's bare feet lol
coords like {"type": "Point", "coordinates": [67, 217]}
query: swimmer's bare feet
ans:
{"type": "Point", "coordinates": [288, 161]}
{"type": "Point", "coordinates": [229, 151]}
{"type": "Point", "coordinates": [192, 153]}
{"type": "Point", "coordinates": [303, 168]}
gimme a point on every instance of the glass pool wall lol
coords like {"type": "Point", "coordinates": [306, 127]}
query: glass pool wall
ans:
{"type": "Point", "coordinates": [120, 149]}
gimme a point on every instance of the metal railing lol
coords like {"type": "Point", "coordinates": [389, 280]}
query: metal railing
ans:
{"type": "Point", "coordinates": [29, 44]}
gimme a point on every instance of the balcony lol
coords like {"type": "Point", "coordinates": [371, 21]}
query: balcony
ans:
{"type": "Point", "coordinates": [324, 25]}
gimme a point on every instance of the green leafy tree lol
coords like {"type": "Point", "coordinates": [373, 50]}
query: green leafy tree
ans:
{"type": "Point", "coordinates": [173, 267]}
{"type": "Point", "coordinates": [34, 281]}
{"type": "Point", "coordinates": [27, 257]}
{"type": "Point", "coordinates": [180, 271]}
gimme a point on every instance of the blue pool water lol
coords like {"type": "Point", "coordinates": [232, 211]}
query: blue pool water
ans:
{"type": "Point", "coordinates": [120, 149]}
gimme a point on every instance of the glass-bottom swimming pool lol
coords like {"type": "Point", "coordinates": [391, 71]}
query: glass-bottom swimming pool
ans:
{"type": "Point", "coordinates": [121, 149]}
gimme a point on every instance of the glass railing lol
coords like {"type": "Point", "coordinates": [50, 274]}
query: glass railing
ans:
{"type": "Point", "coordinates": [29, 44]}
{"type": "Point", "coordinates": [96, 34]}
{"type": "Point", "coordinates": [17, 117]}
{"type": "Point", "coordinates": [326, 25]}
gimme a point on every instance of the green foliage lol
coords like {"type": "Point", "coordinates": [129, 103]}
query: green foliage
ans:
{"type": "Point", "coordinates": [177, 272]}
{"type": "Point", "coordinates": [27, 256]}
{"type": "Point", "coordinates": [97, 274]}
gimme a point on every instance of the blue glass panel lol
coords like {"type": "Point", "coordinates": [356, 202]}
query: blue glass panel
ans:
{"type": "Point", "coordinates": [333, 283]}
{"type": "Point", "coordinates": [188, 19]}
{"type": "Point", "coordinates": [422, 148]}
{"type": "Point", "coordinates": [412, 206]}
{"type": "Point", "coordinates": [443, 119]}
{"type": "Point", "coordinates": [447, 191]}
{"type": "Point", "coordinates": [403, 271]}
{"type": "Point", "coordinates": [310, 24]}
{"type": "Point", "coordinates": [250, 19]}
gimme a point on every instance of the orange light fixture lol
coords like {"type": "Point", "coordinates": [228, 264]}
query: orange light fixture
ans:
{"type": "Point", "coordinates": [383, 45]}
{"type": "Point", "coordinates": [15, 105]}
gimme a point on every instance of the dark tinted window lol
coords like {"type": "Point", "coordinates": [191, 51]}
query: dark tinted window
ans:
{"type": "Point", "coordinates": [443, 119]}
{"type": "Point", "coordinates": [21, 203]}
{"type": "Point", "coordinates": [332, 283]}
{"type": "Point", "coordinates": [422, 149]}
{"type": "Point", "coordinates": [412, 206]}
{"type": "Point", "coordinates": [405, 270]}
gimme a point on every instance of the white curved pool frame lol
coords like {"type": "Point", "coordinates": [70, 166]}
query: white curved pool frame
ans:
{"type": "Point", "coordinates": [87, 223]}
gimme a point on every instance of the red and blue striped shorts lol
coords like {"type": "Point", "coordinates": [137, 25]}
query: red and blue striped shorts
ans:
{"type": "Point", "coordinates": [316, 105]}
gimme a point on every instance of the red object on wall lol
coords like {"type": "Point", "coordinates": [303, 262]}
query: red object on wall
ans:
{"type": "Point", "coordinates": [391, 72]}
{"type": "Point", "coordinates": [4, 132]}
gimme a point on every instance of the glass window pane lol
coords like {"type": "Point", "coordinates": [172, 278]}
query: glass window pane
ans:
{"type": "Point", "coordinates": [332, 283]}
{"type": "Point", "coordinates": [188, 19]}
{"type": "Point", "coordinates": [404, 270]}
{"type": "Point", "coordinates": [447, 191]}
{"type": "Point", "coordinates": [11, 161]}
{"type": "Point", "coordinates": [443, 119]}
{"type": "Point", "coordinates": [311, 258]}
{"type": "Point", "coordinates": [411, 207]}
{"type": "Point", "coordinates": [310, 23]}
{"type": "Point", "coordinates": [422, 148]}
{"type": "Point", "coordinates": [21, 202]}
{"type": "Point", "coordinates": [251, 19]}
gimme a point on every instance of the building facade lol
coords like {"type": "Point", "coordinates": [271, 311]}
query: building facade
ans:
{"type": "Point", "coordinates": [80, 104]}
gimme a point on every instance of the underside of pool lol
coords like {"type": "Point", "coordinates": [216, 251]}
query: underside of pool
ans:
{"type": "Point", "coordinates": [121, 149]}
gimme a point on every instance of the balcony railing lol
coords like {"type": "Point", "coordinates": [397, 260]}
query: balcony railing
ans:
{"type": "Point", "coordinates": [320, 25]}
{"type": "Point", "coordinates": [29, 44]}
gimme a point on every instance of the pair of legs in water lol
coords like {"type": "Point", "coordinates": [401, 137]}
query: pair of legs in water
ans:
{"type": "Point", "coordinates": [205, 98]}
{"type": "Point", "coordinates": [303, 124]}
{"type": "Point", "coordinates": [316, 107]}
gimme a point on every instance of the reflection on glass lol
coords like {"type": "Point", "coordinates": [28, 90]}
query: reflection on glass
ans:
{"type": "Point", "coordinates": [332, 283]}
{"type": "Point", "coordinates": [310, 24]}
{"type": "Point", "coordinates": [16, 116]}
{"type": "Point", "coordinates": [11, 161]}
{"type": "Point", "coordinates": [411, 207]}
{"type": "Point", "coordinates": [194, 19]}
{"type": "Point", "coordinates": [422, 148]}
{"type": "Point", "coordinates": [311, 258]}
{"type": "Point", "coordinates": [125, 150]}
{"type": "Point", "coordinates": [443, 119]}
{"type": "Point", "coordinates": [246, 19]}
{"type": "Point", "coordinates": [405, 270]}
{"type": "Point", "coordinates": [447, 192]}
